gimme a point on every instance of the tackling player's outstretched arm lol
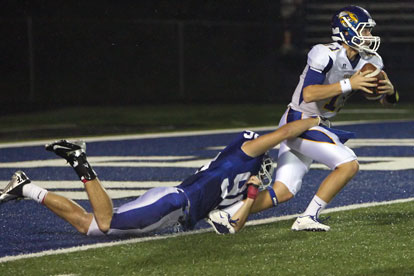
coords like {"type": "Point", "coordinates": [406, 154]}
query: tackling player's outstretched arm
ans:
{"type": "Point", "coordinates": [240, 217]}
{"type": "Point", "coordinates": [268, 141]}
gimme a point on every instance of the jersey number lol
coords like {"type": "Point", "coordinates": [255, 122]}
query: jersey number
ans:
{"type": "Point", "coordinates": [250, 134]}
{"type": "Point", "coordinates": [235, 189]}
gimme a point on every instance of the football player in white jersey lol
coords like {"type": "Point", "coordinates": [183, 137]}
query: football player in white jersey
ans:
{"type": "Point", "coordinates": [331, 76]}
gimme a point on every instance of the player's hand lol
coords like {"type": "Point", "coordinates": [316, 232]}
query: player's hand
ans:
{"type": "Point", "coordinates": [359, 81]}
{"type": "Point", "coordinates": [385, 86]}
{"type": "Point", "coordinates": [254, 180]}
{"type": "Point", "coordinates": [317, 120]}
{"type": "Point", "coordinates": [253, 187]}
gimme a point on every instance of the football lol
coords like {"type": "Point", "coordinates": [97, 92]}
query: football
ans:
{"type": "Point", "coordinates": [377, 73]}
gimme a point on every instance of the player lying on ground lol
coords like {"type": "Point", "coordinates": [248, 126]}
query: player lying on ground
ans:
{"type": "Point", "coordinates": [330, 77]}
{"type": "Point", "coordinates": [227, 179]}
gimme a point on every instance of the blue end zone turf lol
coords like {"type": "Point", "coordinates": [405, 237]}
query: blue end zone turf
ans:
{"type": "Point", "coordinates": [29, 227]}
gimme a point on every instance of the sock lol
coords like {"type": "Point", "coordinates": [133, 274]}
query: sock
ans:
{"type": "Point", "coordinates": [83, 168]}
{"type": "Point", "coordinates": [315, 207]}
{"type": "Point", "coordinates": [34, 192]}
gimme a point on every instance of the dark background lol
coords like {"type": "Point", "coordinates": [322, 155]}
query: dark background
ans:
{"type": "Point", "coordinates": [61, 53]}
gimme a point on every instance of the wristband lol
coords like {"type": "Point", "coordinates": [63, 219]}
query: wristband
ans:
{"type": "Point", "coordinates": [393, 98]}
{"type": "Point", "coordinates": [345, 85]}
{"type": "Point", "coordinates": [252, 190]}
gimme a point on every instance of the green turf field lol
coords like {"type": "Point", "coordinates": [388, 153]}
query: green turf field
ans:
{"type": "Point", "coordinates": [368, 241]}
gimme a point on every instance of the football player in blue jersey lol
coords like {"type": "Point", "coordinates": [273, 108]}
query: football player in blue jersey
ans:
{"type": "Point", "coordinates": [225, 181]}
{"type": "Point", "coordinates": [331, 76]}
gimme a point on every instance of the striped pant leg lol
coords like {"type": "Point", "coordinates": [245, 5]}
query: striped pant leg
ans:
{"type": "Point", "coordinates": [156, 209]}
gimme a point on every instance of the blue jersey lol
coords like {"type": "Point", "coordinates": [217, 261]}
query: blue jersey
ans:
{"type": "Point", "coordinates": [218, 184]}
{"type": "Point", "coordinates": [222, 182]}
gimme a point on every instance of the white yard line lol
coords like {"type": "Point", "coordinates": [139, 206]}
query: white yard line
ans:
{"type": "Point", "coordinates": [177, 134]}
{"type": "Point", "coordinates": [138, 240]}
{"type": "Point", "coordinates": [369, 163]}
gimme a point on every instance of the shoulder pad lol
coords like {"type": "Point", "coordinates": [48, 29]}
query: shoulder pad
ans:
{"type": "Point", "coordinates": [320, 56]}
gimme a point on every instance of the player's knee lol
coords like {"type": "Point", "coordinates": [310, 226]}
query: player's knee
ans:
{"type": "Point", "coordinates": [282, 192]}
{"type": "Point", "coordinates": [104, 223]}
{"type": "Point", "coordinates": [84, 223]}
{"type": "Point", "coordinates": [351, 168]}
{"type": "Point", "coordinates": [83, 230]}
{"type": "Point", "coordinates": [284, 197]}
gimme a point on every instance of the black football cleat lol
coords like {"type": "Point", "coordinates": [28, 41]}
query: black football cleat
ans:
{"type": "Point", "coordinates": [66, 149]}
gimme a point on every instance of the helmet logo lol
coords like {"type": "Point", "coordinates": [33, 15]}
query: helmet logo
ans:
{"type": "Point", "coordinates": [351, 17]}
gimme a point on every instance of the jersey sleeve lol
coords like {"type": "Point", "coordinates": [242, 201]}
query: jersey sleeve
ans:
{"type": "Point", "coordinates": [319, 59]}
{"type": "Point", "coordinates": [242, 137]}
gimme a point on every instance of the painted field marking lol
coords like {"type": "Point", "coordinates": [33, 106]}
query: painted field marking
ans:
{"type": "Point", "coordinates": [180, 133]}
{"type": "Point", "coordinates": [138, 240]}
{"type": "Point", "coordinates": [115, 189]}
{"type": "Point", "coordinates": [375, 111]}
{"type": "Point", "coordinates": [377, 163]}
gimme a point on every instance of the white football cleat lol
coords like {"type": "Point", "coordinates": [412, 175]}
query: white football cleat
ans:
{"type": "Point", "coordinates": [309, 223]}
{"type": "Point", "coordinates": [221, 222]}
{"type": "Point", "coordinates": [14, 189]}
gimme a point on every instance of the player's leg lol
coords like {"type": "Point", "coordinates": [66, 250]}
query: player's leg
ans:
{"type": "Point", "coordinates": [21, 186]}
{"type": "Point", "coordinates": [336, 180]}
{"type": "Point", "coordinates": [291, 168]}
{"type": "Point", "coordinates": [330, 187]}
{"type": "Point", "coordinates": [68, 210]}
{"type": "Point", "coordinates": [271, 197]}
{"type": "Point", "coordinates": [158, 208]}
{"type": "Point", "coordinates": [75, 214]}
{"type": "Point", "coordinates": [342, 160]}
{"type": "Point", "coordinates": [74, 153]}
{"type": "Point", "coordinates": [101, 203]}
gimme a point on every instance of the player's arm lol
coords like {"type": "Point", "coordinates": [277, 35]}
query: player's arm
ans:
{"type": "Point", "coordinates": [268, 141]}
{"type": "Point", "coordinates": [317, 92]}
{"type": "Point", "coordinates": [240, 217]}
{"type": "Point", "coordinates": [320, 62]}
{"type": "Point", "coordinates": [386, 87]}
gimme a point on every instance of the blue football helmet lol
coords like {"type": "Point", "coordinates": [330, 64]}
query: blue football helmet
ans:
{"type": "Point", "coordinates": [349, 25]}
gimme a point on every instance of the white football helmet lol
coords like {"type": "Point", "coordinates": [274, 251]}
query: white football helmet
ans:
{"type": "Point", "coordinates": [266, 171]}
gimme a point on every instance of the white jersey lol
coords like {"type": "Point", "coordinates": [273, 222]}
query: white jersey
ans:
{"type": "Point", "coordinates": [330, 60]}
